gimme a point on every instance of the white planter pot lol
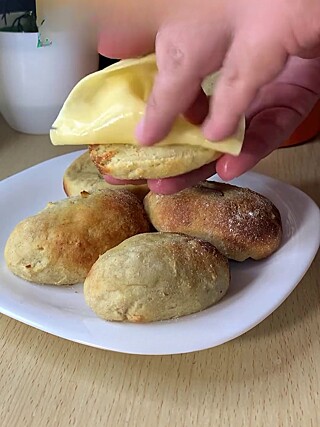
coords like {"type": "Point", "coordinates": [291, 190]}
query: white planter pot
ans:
{"type": "Point", "coordinates": [35, 81]}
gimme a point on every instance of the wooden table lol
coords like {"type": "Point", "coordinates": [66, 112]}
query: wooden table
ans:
{"type": "Point", "coordinates": [268, 377]}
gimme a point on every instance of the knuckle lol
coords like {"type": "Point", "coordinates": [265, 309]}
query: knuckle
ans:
{"type": "Point", "coordinates": [231, 76]}
{"type": "Point", "coordinates": [175, 55]}
{"type": "Point", "coordinates": [171, 54]}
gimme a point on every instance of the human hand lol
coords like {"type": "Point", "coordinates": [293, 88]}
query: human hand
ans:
{"type": "Point", "coordinates": [252, 41]}
{"type": "Point", "coordinates": [276, 112]}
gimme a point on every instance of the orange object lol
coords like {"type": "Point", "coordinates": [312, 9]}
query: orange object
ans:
{"type": "Point", "coordinates": [308, 129]}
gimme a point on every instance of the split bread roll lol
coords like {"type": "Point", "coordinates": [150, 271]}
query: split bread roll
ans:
{"type": "Point", "coordinates": [59, 245]}
{"type": "Point", "coordinates": [156, 276]}
{"type": "Point", "coordinates": [103, 111]}
{"type": "Point", "coordinates": [239, 222]}
{"type": "Point", "coordinates": [133, 162]}
{"type": "Point", "coordinates": [82, 175]}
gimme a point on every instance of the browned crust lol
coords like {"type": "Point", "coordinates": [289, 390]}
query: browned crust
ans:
{"type": "Point", "coordinates": [101, 160]}
{"type": "Point", "coordinates": [60, 244]}
{"type": "Point", "coordinates": [238, 221]}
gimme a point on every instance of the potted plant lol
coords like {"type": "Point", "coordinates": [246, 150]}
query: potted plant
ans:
{"type": "Point", "coordinates": [40, 62]}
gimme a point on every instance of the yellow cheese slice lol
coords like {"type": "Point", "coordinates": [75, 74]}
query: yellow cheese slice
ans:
{"type": "Point", "coordinates": [105, 108]}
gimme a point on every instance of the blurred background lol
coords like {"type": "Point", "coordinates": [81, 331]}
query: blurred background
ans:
{"type": "Point", "coordinates": [9, 6]}
{"type": "Point", "coordinates": [46, 47]}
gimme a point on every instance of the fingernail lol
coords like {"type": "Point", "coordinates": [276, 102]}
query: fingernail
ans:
{"type": "Point", "coordinates": [144, 138]}
{"type": "Point", "coordinates": [216, 131]}
{"type": "Point", "coordinates": [140, 130]}
{"type": "Point", "coordinates": [227, 174]}
{"type": "Point", "coordinates": [213, 132]}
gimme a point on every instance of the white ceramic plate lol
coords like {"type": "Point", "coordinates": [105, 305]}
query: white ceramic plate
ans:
{"type": "Point", "coordinates": [257, 288]}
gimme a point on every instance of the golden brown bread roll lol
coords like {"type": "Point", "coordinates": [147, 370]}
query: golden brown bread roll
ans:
{"type": "Point", "coordinates": [239, 222]}
{"type": "Point", "coordinates": [82, 175]}
{"type": "Point", "coordinates": [124, 161]}
{"type": "Point", "coordinates": [59, 245]}
{"type": "Point", "coordinates": [156, 276]}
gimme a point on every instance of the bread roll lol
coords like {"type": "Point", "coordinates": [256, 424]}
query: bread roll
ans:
{"type": "Point", "coordinates": [59, 245]}
{"type": "Point", "coordinates": [239, 222]}
{"type": "Point", "coordinates": [135, 162]}
{"type": "Point", "coordinates": [156, 276]}
{"type": "Point", "coordinates": [82, 175]}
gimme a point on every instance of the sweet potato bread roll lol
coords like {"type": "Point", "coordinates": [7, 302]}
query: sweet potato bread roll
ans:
{"type": "Point", "coordinates": [156, 276]}
{"type": "Point", "coordinates": [59, 245]}
{"type": "Point", "coordinates": [82, 175]}
{"type": "Point", "coordinates": [239, 222]}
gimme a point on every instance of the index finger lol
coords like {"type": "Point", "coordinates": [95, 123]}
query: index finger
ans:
{"type": "Point", "coordinates": [249, 66]}
{"type": "Point", "coordinates": [182, 60]}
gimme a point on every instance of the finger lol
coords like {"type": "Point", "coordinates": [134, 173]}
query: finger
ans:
{"type": "Point", "coordinates": [266, 132]}
{"type": "Point", "coordinates": [170, 97]}
{"type": "Point", "coordinates": [178, 183]}
{"type": "Point", "coordinates": [248, 66]}
{"type": "Point", "coordinates": [297, 86]}
{"type": "Point", "coordinates": [182, 64]}
{"type": "Point", "coordinates": [115, 181]}
{"type": "Point", "coordinates": [122, 43]}
{"type": "Point", "coordinates": [198, 110]}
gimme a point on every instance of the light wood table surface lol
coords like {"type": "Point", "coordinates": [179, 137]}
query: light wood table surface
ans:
{"type": "Point", "coordinates": [268, 377]}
